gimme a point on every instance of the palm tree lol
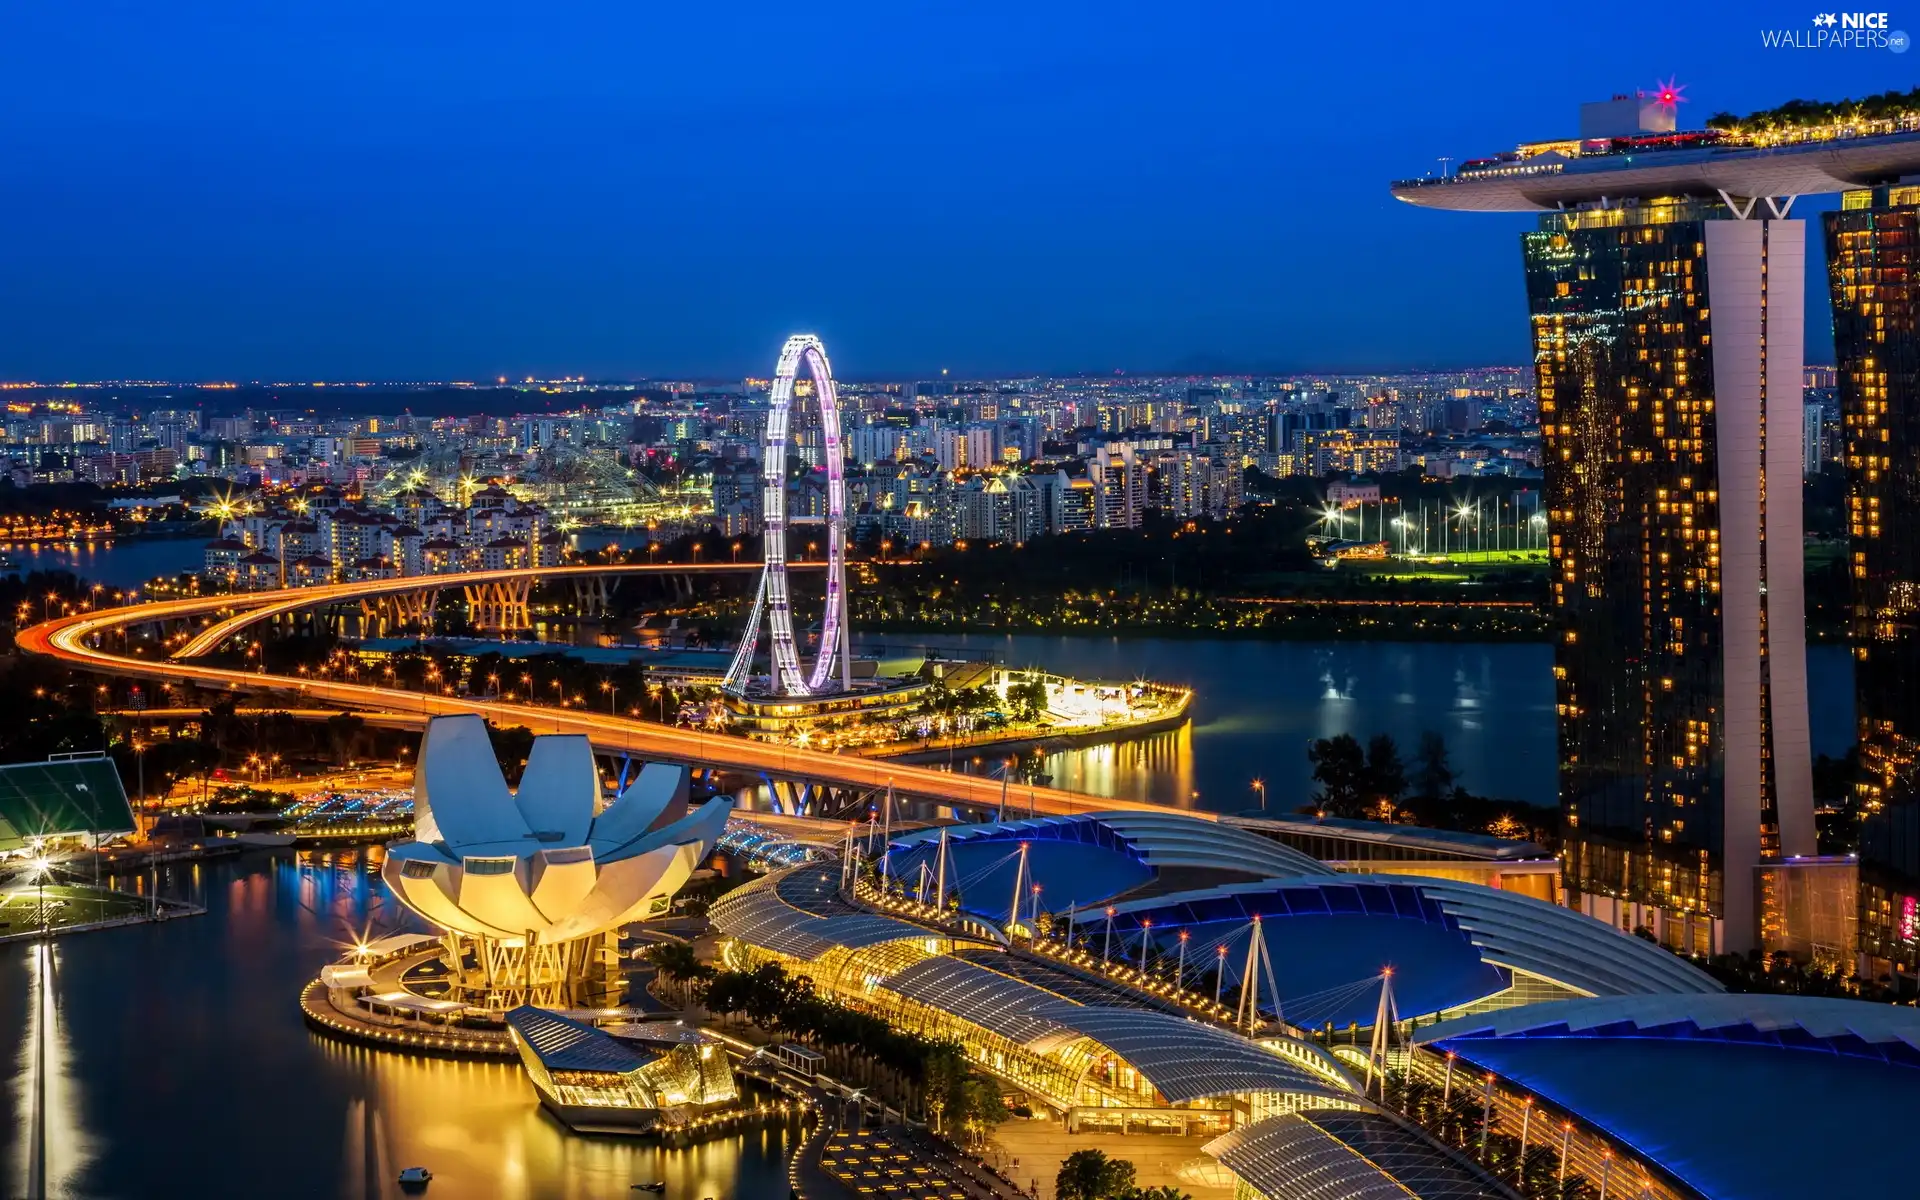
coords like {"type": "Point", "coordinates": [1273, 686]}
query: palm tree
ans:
{"type": "Point", "coordinates": [678, 965]}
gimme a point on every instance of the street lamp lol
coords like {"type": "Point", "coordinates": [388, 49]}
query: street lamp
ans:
{"type": "Point", "coordinates": [140, 767]}
{"type": "Point", "coordinates": [1259, 785]}
{"type": "Point", "coordinates": [42, 867]}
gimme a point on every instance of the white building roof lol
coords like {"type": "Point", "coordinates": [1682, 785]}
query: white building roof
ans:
{"type": "Point", "coordinates": [1187, 1060]}
{"type": "Point", "coordinates": [1560, 944]}
{"type": "Point", "coordinates": [1781, 1020]}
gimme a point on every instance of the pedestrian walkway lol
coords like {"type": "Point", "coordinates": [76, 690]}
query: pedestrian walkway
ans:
{"type": "Point", "coordinates": [888, 1163]}
{"type": "Point", "coordinates": [1031, 1152]}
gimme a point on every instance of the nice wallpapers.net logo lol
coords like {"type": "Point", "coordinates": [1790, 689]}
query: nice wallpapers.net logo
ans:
{"type": "Point", "coordinates": [1840, 31]}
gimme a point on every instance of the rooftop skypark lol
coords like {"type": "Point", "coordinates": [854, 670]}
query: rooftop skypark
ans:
{"type": "Point", "coordinates": [1631, 147]}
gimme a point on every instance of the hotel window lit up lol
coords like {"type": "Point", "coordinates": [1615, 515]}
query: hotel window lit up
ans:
{"type": "Point", "coordinates": [1873, 251]}
{"type": "Point", "coordinates": [1664, 334]}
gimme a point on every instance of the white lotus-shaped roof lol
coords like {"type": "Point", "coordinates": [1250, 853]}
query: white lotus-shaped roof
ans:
{"type": "Point", "coordinates": [537, 862]}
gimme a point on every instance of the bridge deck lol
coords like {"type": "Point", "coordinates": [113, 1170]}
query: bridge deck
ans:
{"type": "Point", "coordinates": [73, 640]}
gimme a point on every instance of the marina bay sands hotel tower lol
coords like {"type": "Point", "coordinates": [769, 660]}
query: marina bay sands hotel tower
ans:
{"type": "Point", "coordinates": [1665, 284]}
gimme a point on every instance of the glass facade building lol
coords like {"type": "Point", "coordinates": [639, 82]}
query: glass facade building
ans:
{"type": "Point", "coordinates": [1873, 253]}
{"type": "Point", "coordinates": [1666, 333]}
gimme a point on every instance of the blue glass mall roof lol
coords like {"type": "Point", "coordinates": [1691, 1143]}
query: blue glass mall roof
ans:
{"type": "Point", "coordinates": [1329, 938]}
{"type": "Point", "coordinates": [1830, 1085]}
{"type": "Point", "coordinates": [1092, 857]}
{"type": "Point", "coordinates": [1449, 942]}
{"type": "Point", "coordinates": [982, 872]}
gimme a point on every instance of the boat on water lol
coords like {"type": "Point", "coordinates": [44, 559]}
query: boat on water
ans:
{"type": "Point", "coordinates": [415, 1178]}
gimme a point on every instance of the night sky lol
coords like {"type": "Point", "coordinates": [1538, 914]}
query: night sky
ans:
{"type": "Point", "coordinates": [415, 190]}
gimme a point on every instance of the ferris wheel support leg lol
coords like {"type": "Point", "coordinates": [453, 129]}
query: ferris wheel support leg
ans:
{"type": "Point", "coordinates": [846, 649]}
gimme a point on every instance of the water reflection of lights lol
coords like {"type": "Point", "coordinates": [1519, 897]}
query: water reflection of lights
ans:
{"type": "Point", "coordinates": [426, 1111]}
{"type": "Point", "coordinates": [218, 1028]}
{"type": "Point", "coordinates": [51, 1146]}
{"type": "Point", "coordinates": [1158, 767]}
{"type": "Point", "coordinates": [1333, 689]}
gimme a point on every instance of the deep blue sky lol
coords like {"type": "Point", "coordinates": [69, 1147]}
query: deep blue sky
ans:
{"type": "Point", "coordinates": [419, 190]}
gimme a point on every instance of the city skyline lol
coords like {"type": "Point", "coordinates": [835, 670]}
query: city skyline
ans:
{"type": "Point", "coordinates": [1338, 621]}
{"type": "Point", "coordinates": [1000, 192]}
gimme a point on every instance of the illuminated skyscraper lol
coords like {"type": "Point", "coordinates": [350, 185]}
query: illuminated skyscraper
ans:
{"type": "Point", "coordinates": [1665, 289]}
{"type": "Point", "coordinates": [1873, 256]}
{"type": "Point", "coordinates": [1667, 350]}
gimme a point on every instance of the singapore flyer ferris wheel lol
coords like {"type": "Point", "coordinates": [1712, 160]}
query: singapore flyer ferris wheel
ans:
{"type": "Point", "coordinates": [774, 600]}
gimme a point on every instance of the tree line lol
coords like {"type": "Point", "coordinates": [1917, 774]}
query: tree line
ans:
{"type": "Point", "coordinates": [1375, 782]}
{"type": "Point", "coordinates": [910, 1070]}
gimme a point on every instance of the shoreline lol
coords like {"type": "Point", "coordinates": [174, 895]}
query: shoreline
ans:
{"type": "Point", "coordinates": [1188, 633]}
{"type": "Point", "coordinates": [1046, 744]}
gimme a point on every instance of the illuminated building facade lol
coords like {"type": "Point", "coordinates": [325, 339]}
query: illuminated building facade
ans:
{"type": "Point", "coordinates": [1110, 1010]}
{"type": "Point", "coordinates": [624, 1080]}
{"type": "Point", "coordinates": [1873, 252]}
{"type": "Point", "coordinates": [529, 888]}
{"type": "Point", "coordinates": [1665, 286]}
{"type": "Point", "coordinates": [1667, 348]}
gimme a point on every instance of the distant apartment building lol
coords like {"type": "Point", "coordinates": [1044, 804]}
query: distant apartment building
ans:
{"type": "Point", "coordinates": [964, 447]}
{"type": "Point", "coordinates": [1353, 451]}
{"type": "Point", "coordinates": [1120, 487]}
{"type": "Point", "coordinates": [871, 444]}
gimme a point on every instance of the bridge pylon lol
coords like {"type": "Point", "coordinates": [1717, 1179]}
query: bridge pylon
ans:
{"type": "Point", "coordinates": [593, 595]}
{"type": "Point", "coordinates": [501, 606]}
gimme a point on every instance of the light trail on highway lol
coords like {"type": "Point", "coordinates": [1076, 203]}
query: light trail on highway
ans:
{"type": "Point", "coordinates": [72, 640]}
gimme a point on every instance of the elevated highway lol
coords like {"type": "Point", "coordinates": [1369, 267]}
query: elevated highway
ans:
{"type": "Point", "coordinates": [264, 606]}
{"type": "Point", "coordinates": [81, 640]}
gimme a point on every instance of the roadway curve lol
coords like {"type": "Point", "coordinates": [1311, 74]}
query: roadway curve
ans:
{"type": "Point", "coordinates": [262, 606]}
{"type": "Point", "coordinates": [73, 639]}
